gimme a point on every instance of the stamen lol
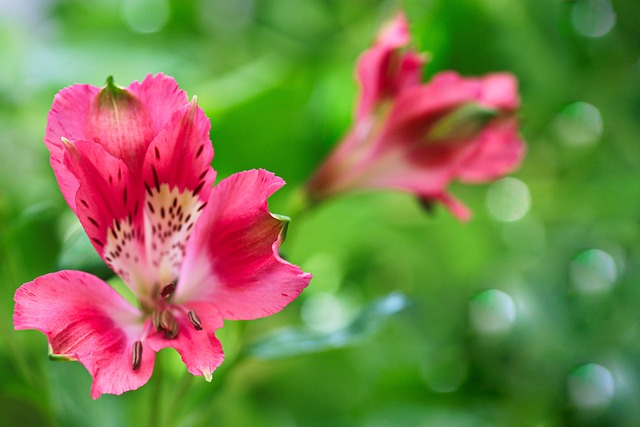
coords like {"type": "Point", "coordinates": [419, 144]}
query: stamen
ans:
{"type": "Point", "coordinates": [167, 290]}
{"type": "Point", "coordinates": [195, 320]}
{"type": "Point", "coordinates": [169, 324]}
{"type": "Point", "coordinates": [155, 320]}
{"type": "Point", "coordinates": [136, 355]}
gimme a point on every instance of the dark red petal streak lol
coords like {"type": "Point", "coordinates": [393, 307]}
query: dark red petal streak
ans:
{"type": "Point", "coordinates": [86, 320]}
{"type": "Point", "coordinates": [232, 257]}
{"type": "Point", "coordinates": [181, 153]}
{"type": "Point", "coordinates": [177, 180]}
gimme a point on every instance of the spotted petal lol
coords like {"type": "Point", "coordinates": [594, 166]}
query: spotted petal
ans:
{"type": "Point", "coordinates": [123, 121]}
{"type": "Point", "coordinates": [86, 320]}
{"type": "Point", "coordinates": [109, 207]}
{"type": "Point", "coordinates": [232, 257]}
{"type": "Point", "coordinates": [177, 179]}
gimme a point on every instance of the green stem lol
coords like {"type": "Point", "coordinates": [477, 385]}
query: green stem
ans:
{"type": "Point", "coordinates": [298, 204]}
{"type": "Point", "coordinates": [156, 394]}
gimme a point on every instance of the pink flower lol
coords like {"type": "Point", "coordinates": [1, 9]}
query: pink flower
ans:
{"type": "Point", "coordinates": [134, 165]}
{"type": "Point", "coordinates": [419, 137]}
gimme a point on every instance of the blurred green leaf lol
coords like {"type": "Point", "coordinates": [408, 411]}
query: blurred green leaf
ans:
{"type": "Point", "coordinates": [79, 254]}
{"type": "Point", "coordinates": [289, 342]}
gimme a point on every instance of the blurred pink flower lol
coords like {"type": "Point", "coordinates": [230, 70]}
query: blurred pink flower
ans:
{"type": "Point", "coordinates": [419, 137]}
{"type": "Point", "coordinates": [134, 164]}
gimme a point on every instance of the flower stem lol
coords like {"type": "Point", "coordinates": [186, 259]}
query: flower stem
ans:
{"type": "Point", "coordinates": [298, 203]}
{"type": "Point", "coordinates": [156, 395]}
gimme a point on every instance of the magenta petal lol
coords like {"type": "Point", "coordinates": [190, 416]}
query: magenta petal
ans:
{"type": "Point", "coordinates": [232, 257]}
{"type": "Point", "coordinates": [456, 207]}
{"type": "Point", "coordinates": [160, 96]}
{"type": "Point", "coordinates": [498, 151]}
{"type": "Point", "coordinates": [120, 122]}
{"type": "Point", "coordinates": [385, 70]}
{"type": "Point", "coordinates": [500, 90]}
{"type": "Point", "coordinates": [84, 319]}
{"type": "Point", "coordinates": [200, 350]}
{"type": "Point", "coordinates": [416, 108]}
{"type": "Point", "coordinates": [67, 119]}
{"type": "Point", "coordinates": [180, 155]}
{"type": "Point", "coordinates": [177, 179]}
{"type": "Point", "coordinates": [108, 205]}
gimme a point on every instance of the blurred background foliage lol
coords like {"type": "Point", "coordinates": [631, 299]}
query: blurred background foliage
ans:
{"type": "Point", "coordinates": [525, 316]}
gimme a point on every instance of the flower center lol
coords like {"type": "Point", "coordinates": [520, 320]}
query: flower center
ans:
{"type": "Point", "coordinates": [165, 319]}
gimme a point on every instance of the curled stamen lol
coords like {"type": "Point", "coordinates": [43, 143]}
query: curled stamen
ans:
{"type": "Point", "coordinates": [168, 324]}
{"type": "Point", "coordinates": [136, 355]}
{"type": "Point", "coordinates": [167, 290]}
{"type": "Point", "coordinates": [155, 320]}
{"type": "Point", "coordinates": [195, 320]}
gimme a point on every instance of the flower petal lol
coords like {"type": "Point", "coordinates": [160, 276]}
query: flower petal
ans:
{"type": "Point", "coordinates": [232, 257]}
{"type": "Point", "coordinates": [85, 112]}
{"type": "Point", "coordinates": [200, 350]}
{"type": "Point", "coordinates": [108, 205]}
{"type": "Point", "coordinates": [416, 109]}
{"type": "Point", "coordinates": [161, 97]}
{"type": "Point", "coordinates": [177, 178]}
{"type": "Point", "coordinates": [384, 70]}
{"type": "Point", "coordinates": [67, 119]}
{"type": "Point", "coordinates": [86, 320]}
{"type": "Point", "coordinates": [457, 208]}
{"type": "Point", "coordinates": [498, 151]}
{"type": "Point", "coordinates": [120, 122]}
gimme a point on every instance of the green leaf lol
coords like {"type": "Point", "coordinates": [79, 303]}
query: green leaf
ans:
{"type": "Point", "coordinates": [289, 342]}
{"type": "Point", "coordinates": [79, 254]}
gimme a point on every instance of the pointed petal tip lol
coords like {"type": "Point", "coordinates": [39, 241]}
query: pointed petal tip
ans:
{"type": "Point", "coordinates": [281, 218]}
{"type": "Point", "coordinates": [67, 144]}
{"type": "Point", "coordinates": [284, 222]}
{"type": "Point", "coordinates": [60, 357]}
{"type": "Point", "coordinates": [395, 31]}
{"type": "Point", "coordinates": [208, 376]}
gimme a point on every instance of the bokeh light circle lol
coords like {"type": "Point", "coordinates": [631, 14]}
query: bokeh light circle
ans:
{"type": "Point", "coordinates": [508, 199]}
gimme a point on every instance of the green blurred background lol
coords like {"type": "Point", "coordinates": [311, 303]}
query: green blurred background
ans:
{"type": "Point", "coordinates": [528, 315]}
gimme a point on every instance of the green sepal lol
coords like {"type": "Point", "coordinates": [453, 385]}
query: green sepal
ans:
{"type": "Point", "coordinates": [59, 357]}
{"type": "Point", "coordinates": [112, 96]}
{"type": "Point", "coordinates": [463, 123]}
{"type": "Point", "coordinates": [285, 220]}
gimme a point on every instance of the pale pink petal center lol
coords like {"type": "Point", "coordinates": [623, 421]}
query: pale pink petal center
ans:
{"type": "Point", "coordinates": [170, 215]}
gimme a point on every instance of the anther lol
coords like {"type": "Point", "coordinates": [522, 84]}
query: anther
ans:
{"type": "Point", "coordinates": [167, 290]}
{"type": "Point", "coordinates": [155, 320]}
{"type": "Point", "coordinates": [195, 320]}
{"type": "Point", "coordinates": [136, 355]}
{"type": "Point", "coordinates": [169, 324]}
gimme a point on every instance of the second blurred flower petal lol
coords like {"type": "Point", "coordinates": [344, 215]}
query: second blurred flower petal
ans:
{"type": "Point", "coordinates": [419, 137]}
